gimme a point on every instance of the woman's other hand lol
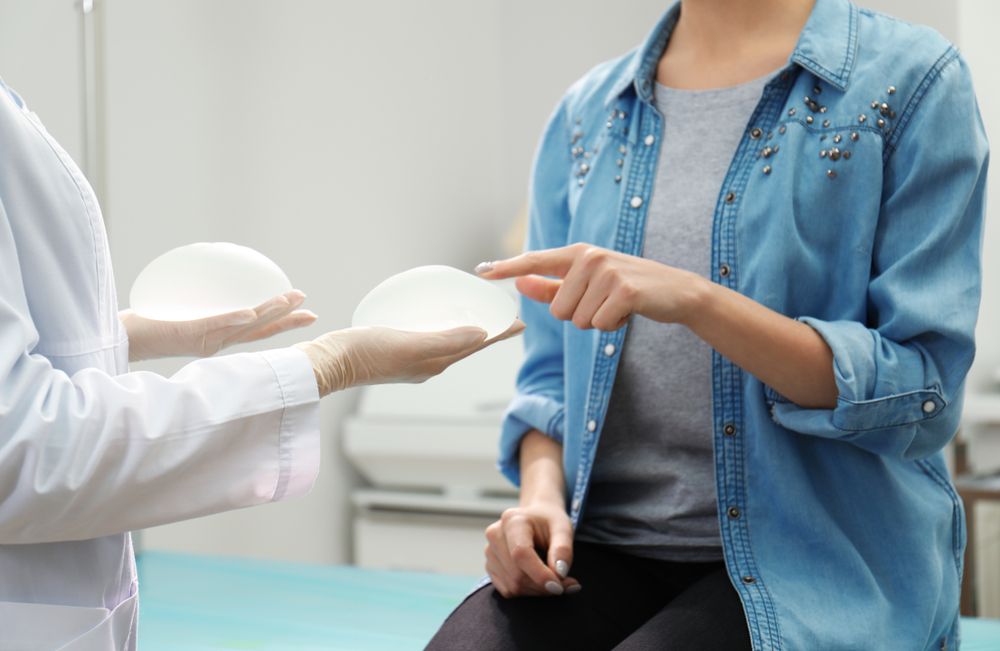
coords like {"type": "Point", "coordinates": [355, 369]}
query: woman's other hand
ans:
{"type": "Point", "coordinates": [150, 339]}
{"type": "Point", "coordinates": [359, 356]}
{"type": "Point", "coordinates": [515, 547]}
{"type": "Point", "coordinates": [598, 288]}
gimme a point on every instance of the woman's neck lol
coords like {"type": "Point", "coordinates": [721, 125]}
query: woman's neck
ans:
{"type": "Point", "coordinates": [718, 43]}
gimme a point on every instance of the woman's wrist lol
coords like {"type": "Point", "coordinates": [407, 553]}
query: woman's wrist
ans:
{"type": "Point", "coordinates": [695, 297]}
{"type": "Point", "coordinates": [541, 471]}
{"type": "Point", "coordinates": [549, 493]}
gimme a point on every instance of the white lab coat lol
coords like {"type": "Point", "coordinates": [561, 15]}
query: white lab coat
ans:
{"type": "Point", "coordinates": [89, 451]}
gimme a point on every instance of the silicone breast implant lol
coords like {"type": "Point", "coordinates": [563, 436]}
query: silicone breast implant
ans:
{"type": "Point", "coordinates": [205, 279]}
{"type": "Point", "coordinates": [433, 298]}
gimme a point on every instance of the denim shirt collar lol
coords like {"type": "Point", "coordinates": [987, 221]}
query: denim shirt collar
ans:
{"type": "Point", "coordinates": [827, 47]}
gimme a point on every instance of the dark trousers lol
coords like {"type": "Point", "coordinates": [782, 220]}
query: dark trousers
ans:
{"type": "Point", "coordinates": [627, 603]}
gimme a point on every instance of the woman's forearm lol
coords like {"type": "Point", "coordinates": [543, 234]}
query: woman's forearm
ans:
{"type": "Point", "coordinates": [598, 288]}
{"type": "Point", "coordinates": [541, 469]}
{"type": "Point", "coordinates": [783, 353]}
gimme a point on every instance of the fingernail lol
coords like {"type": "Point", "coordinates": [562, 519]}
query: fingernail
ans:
{"type": "Point", "coordinates": [562, 568]}
{"type": "Point", "coordinates": [484, 267]}
{"type": "Point", "coordinates": [554, 588]}
{"type": "Point", "coordinates": [573, 589]}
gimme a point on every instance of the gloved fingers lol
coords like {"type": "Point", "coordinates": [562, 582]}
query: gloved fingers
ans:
{"type": "Point", "coordinates": [515, 329]}
{"type": "Point", "coordinates": [297, 319]}
{"type": "Point", "coordinates": [287, 301]}
{"type": "Point", "coordinates": [447, 360]}
{"type": "Point", "coordinates": [267, 313]}
{"type": "Point", "coordinates": [269, 310]}
{"type": "Point", "coordinates": [433, 345]}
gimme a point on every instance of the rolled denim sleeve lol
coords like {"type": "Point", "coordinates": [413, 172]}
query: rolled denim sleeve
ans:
{"type": "Point", "coordinates": [538, 403]}
{"type": "Point", "coordinates": [901, 375]}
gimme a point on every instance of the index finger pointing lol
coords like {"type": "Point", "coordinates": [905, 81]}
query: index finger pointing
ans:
{"type": "Point", "coordinates": [549, 262]}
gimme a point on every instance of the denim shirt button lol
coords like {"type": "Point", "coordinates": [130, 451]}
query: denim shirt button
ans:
{"type": "Point", "coordinates": [730, 197]}
{"type": "Point", "coordinates": [749, 580]}
{"type": "Point", "coordinates": [929, 406]}
{"type": "Point", "coordinates": [733, 512]}
{"type": "Point", "coordinates": [576, 504]}
{"type": "Point", "coordinates": [609, 350]}
{"type": "Point", "coordinates": [636, 202]}
{"type": "Point", "coordinates": [591, 425]}
{"type": "Point", "coordinates": [724, 271]}
{"type": "Point", "coordinates": [729, 429]}
{"type": "Point", "coordinates": [650, 139]}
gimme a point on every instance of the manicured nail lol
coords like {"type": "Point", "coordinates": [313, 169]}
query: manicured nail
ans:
{"type": "Point", "coordinates": [484, 267]}
{"type": "Point", "coordinates": [562, 569]}
{"type": "Point", "coordinates": [573, 589]}
{"type": "Point", "coordinates": [554, 588]}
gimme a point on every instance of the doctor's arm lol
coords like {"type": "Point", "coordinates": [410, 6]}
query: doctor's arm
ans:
{"type": "Point", "coordinates": [93, 454]}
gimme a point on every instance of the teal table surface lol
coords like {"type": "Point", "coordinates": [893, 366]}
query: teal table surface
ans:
{"type": "Point", "coordinates": [203, 603]}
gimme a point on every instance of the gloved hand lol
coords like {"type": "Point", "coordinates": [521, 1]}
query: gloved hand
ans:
{"type": "Point", "coordinates": [359, 356]}
{"type": "Point", "coordinates": [149, 339]}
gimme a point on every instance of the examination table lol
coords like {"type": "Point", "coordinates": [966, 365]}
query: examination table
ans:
{"type": "Point", "coordinates": [201, 603]}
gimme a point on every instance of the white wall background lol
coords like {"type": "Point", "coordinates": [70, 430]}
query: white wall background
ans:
{"type": "Point", "coordinates": [347, 141]}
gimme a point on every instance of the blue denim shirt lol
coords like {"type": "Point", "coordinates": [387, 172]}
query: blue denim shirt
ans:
{"type": "Point", "coordinates": [854, 202]}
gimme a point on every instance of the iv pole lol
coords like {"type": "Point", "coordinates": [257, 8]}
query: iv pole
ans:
{"type": "Point", "coordinates": [90, 96]}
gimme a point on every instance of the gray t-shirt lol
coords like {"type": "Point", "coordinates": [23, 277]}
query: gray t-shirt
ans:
{"type": "Point", "coordinates": [652, 489]}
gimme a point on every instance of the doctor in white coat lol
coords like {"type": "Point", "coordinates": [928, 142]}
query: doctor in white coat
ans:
{"type": "Point", "coordinates": [89, 451]}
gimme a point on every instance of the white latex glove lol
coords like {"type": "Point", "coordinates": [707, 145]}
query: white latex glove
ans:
{"type": "Point", "coordinates": [149, 339]}
{"type": "Point", "coordinates": [359, 356]}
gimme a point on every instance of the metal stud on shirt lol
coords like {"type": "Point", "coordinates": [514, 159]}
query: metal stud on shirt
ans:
{"type": "Point", "coordinates": [862, 118]}
{"type": "Point", "coordinates": [880, 122]}
{"type": "Point", "coordinates": [791, 111]}
{"type": "Point", "coordinates": [891, 90]}
{"type": "Point", "coordinates": [826, 123]}
{"type": "Point", "coordinates": [854, 136]}
{"type": "Point", "coordinates": [767, 169]}
{"type": "Point", "coordinates": [831, 174]}
{"type": "Point", "coordinates": [837, 138]}
{"type": "Point", "coordinates": [809, 119]}
{"type": "Point", "coordinates": [834, 154]}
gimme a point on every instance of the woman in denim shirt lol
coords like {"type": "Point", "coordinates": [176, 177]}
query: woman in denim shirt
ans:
{"type": "Point", "coordinates": [836, 307]}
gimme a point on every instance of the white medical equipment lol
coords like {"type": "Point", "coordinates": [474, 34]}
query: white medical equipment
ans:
{"type": "Point", "coordinates": [429, 455]}
{"type": "Point", "coordinates": [205, 279]}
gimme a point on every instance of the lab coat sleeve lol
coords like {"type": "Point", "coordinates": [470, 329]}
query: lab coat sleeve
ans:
{"type": "Point", "coordinates": [93, 454]}
{"type": "Point", "coordinates": [900, 378]}
{"type": "Point", "coordinates": [538, 402]}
